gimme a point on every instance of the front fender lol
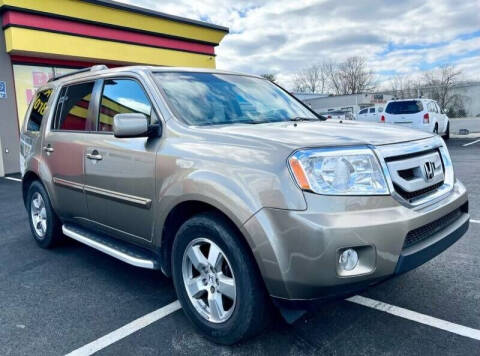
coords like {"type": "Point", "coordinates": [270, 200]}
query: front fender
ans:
{"type": "Point", "coordinates": [211, 188]}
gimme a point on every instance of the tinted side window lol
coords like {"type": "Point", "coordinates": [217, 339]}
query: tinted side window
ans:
{"type": "Point", "coordinates": [121, 96]}
{"type": "Point", "coordinates": [72, 108]}
{"type": "Point", "coordinates": [364, 111]}
{"type": "Point", "coordinates": [39, 108]}
{"type": "Point", "coordinates": [372, 110]}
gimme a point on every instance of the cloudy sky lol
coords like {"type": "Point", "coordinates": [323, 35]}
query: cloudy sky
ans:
{"type": "Point", "coordinates": [284, 36]}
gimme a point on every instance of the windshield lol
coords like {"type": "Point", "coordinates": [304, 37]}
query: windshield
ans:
{"type": "Point", "coordinates": [404, 107]}
{"type": "Point", "coordinates": [216, 99]}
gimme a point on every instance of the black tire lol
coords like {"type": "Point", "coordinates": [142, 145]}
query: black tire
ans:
{"type": "Point", "coordinates": [447, 133]}
{"type": "Point", "coordinates": [253, 309]}
{"type": "Point", "coordinates": [53, 234]}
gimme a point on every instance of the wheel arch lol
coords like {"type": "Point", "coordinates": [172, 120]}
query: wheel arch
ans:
{"type": "Point", "coordinates": [179, 214]}
{"type": "Point", "coordinates": [28, 178]}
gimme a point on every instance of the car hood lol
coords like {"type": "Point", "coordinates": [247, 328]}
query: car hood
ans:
{"type": "Point", "coordinates": [324, 133]}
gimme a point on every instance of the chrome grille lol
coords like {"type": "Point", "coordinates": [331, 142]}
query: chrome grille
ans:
{"type": "Point", "coordinates": [418, 193]}
{"type": "Point", "coordinates": [417, 172]}
{"type": "Point", "coordinates": [416, 176]}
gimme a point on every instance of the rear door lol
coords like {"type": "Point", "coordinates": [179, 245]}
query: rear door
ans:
{"type": "Point", "coordinates": [405, 113]}
{"type": "Point", "coordinates": [372, 115]}
{"type": "Point", "coordinates": [64, 146]}
{"type": "Point", "coordinates": [120, 172]}
{"type": "Point", "coordinates": [362, 115]}
{"type": "Point", "coordinates": [442, 119]}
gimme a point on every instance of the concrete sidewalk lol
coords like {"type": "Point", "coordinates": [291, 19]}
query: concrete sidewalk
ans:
{"type": "Point", "coordinates": [471, 124]}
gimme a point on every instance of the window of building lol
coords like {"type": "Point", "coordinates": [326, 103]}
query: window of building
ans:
{"type": "Point", "coordinates": [39, 108]}
{"type": "Point", "coordinates": [121, 96]}
{"type": "Point", "coordinates": [72, 108]}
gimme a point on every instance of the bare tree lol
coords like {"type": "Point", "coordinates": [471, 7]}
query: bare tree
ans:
{"type": "Point", "coordinates": [351, 76]}
{"type": "Point", "coordinates": [439, 84]}
{"type": "Point", "coordinates": [310, 80]}
{"type": "Point", "coordinates": [404, 87]}
{"type": "Point", "coordinates": [270, 76]}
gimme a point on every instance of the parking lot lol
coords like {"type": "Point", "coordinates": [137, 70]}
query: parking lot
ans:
{"type": "Point", "coordinates": [74, 298]}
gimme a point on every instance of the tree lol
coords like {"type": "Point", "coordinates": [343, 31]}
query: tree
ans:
{"type": "Point", "coordinates": [270, 76]}
{"type": "Point", "coordinates": [312, 79]}
{"type": "Point", "coordinates": [351, 76]}
{"type": "Point", "coordinates": [404, 87]}
{"type": "Point", "coordinates": [439, 84]}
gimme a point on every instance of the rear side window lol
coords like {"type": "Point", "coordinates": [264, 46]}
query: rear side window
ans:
{"type": "Point", "coordinates": [72, 108]}
{"type": "Point", "coordinates": [121, 96]}
{"type": "Point", "coordinates": [39, 108]}
{"type": "Point", "coordinates": [364, 111]}
{"type": "Point", "coordinates": [372, 110]}
{"type": "Point", "coordinates": [404, 107]}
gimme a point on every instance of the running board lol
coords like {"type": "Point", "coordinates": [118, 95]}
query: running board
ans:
{"type": "Point", "coordinates": [128, 253]}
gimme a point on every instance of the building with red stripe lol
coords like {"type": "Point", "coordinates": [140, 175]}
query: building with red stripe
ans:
{"type": "Point", "coordinates": [42, 39]}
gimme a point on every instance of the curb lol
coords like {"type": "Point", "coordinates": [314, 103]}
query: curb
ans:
{"type": "Point", "coordinates": [469, 136]}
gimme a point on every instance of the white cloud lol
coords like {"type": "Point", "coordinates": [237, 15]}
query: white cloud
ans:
{"type": "Point", "coordinates": [283, 36]}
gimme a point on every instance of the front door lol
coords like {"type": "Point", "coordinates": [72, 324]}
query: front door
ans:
{"type": "Point", "coordinates": [120, 172]}
{"type": "Point", "coordinates": [64, 147]}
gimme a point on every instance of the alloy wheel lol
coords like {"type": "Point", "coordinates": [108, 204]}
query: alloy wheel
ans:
{"type": "Point", "coordinates": [38, 213]}
{"type": "Point", "coordinates": [209, 280]}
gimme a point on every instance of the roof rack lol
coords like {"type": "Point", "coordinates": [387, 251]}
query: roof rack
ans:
{"type": "Point", "coordinates": [83, 70]}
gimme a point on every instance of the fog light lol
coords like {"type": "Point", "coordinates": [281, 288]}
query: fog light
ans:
{"type": "Point", "coordinates": [348, 259]}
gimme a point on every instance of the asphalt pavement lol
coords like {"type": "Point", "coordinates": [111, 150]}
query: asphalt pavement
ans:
{"type": "Point", "coordinates": [53, 302]}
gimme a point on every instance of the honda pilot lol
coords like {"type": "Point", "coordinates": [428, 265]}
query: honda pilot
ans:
{"type": "Point", "coordinates": [225, 182]}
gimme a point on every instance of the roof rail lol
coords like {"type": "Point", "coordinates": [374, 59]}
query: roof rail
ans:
{"type": "Point", "coordinates": [83, 70]}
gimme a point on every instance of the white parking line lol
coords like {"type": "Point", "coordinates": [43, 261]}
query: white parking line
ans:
{"type": "Point", "coordinates": [158, 314]}
{"type": "Point", "coordinates": [15, 179]}
{"type": "Point", "coordinates": [126, 330]}
{"type": "Point", "coordinates": [470, 143]}
{"type": "Point", "coordinates": [417, 317]}
{"type": "Point", "coordinates": [475, 221]}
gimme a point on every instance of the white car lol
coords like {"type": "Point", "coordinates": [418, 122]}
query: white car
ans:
{"type": "Point", "coordinates": [371, 114]}
{"type": "Point", "coordinates": [422, 114]}
{"type": "Point", "coordinates": [338, 115]}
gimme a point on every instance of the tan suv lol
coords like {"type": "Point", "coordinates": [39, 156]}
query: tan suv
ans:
{"type": "Point", "coordinates": [234, 188]}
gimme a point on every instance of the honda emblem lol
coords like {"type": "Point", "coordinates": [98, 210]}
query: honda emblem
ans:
{"type": "Point", "coordinates": [429, 168]}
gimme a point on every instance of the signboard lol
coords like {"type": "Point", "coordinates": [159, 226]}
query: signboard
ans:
{"type": "Point", "coordinates": [3, 90]}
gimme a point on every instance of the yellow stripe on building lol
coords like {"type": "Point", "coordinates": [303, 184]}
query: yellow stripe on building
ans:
{"type": "Point", "coordinates": [103, 14]}
{"type": "Point", "coordinates": [40, 43]}
{"type": "Point", "coordinates": [79, 112]}
{"type": "Point", "coordinates": [105, 119]}
{"type": "Point", "coordinates": [113, 105]}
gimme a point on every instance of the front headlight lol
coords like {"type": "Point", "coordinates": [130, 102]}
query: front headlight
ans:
{"type": "Point", "coordinates": [339, 171]}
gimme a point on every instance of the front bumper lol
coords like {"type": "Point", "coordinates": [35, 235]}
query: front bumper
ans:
{"type": "Point", "coordinates": [297, 251]}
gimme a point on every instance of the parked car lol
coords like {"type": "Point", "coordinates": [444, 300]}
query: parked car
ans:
{"type": "Point", "coordinates": [422, 114]}
{"type": "Point", "coordinates": [338, 115]}
{"type": "Point", "coordinates": [371, 114]}
{"type": "Point", "coordinates": [234, 188]}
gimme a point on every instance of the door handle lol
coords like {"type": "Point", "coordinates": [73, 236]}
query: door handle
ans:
{"type": "Point", "coordinates": [48, 149]}
{"type": "Point", "coordinates": [94, 156]}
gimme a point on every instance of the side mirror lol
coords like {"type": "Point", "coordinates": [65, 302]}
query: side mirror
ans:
{"type": "Point", "coordinates": [130, 125]}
